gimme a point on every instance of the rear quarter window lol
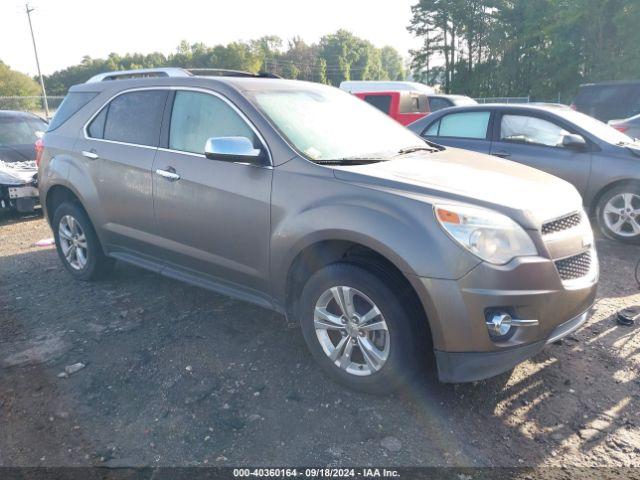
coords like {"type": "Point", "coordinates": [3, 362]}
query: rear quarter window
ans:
{"type": "Point", "coordinates": [71, 104]}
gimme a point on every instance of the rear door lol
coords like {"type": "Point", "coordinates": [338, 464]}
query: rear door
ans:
{"type": "Point", "coordinates": [118, 149]}
{"type": "Point", "coordinates": [215, 218]}
{"type": "Point", "coordinates": [536, 140]}
{"type": "Point", "coordinates": [467, 129]}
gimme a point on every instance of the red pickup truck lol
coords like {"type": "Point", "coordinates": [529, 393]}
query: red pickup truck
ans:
{"type": "Point", "coordinates": [404, 106]}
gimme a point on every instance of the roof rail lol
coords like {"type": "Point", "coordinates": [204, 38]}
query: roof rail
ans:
{"type": "Point", "coordinates": [140, 73]}
{"type": "Point", "coordinates": [176, 72]}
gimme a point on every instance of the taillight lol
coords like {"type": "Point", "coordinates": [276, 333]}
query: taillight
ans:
{"type": "Point", "coordinates": [39, 146]}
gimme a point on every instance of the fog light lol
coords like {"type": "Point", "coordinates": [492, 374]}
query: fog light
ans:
{"type": "Point", "coordinates": [499, 324]}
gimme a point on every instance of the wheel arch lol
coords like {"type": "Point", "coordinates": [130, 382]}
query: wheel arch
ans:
{"type": "Point", "coordinates": [320, 253]}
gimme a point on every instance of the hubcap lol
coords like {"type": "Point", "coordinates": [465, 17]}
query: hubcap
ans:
{"type": "Point", "coordinates": [73, 242]}
{"type": "Point", "coordinates": [351, 330]}
{"type": "Point", "coordinates": [621, 214]}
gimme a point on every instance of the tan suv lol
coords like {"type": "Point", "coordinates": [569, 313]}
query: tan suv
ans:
{"type": "Point", "coordinates": [303, 199]}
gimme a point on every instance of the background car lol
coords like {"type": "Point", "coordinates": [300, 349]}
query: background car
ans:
{"type": "Point", "coordinates": [628, 126]}
{"type": "Point", "coordinates": [18, 133]}
{"type": "Point", "coordinates": [609, 100]}
{"type": "Point", "coordinates": [18, 172]}
{"type": "Point", "coordinates": [601, 162]}
{"type": "Point", "coordinates": [438, 102]}
{"type": "Point", "coordinates": [403, 106]}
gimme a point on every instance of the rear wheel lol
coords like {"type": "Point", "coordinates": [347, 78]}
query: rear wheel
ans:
{"type": "Point", "coordinates": [358, 330]}
{"type": "Point", "coordinates": [77, 243]}
{"type": "Point", "coordinates": [618, 213]}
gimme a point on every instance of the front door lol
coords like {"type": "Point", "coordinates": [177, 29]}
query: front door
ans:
{"type": "Point", "coordinates": [537, 142]}
{"type": "Point", "coordinates": [213, 215]}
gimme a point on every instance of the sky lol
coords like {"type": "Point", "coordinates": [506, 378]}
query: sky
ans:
{"type": "Point", "coordinates": [67, 30]}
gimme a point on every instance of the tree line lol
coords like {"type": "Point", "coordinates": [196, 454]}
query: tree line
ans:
{"type": "Point", "coordinates": [336, 57]}
{"type": "Point", "coordinates": [540, 48]}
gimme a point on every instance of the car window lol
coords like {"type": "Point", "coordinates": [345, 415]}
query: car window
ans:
{"type": "Point", "coordinates": [73, 102]}
{"type": "Point", "coordinates": [96, 127]}
{"type": "Point", "coordinates": [381, 102]}
{"type": "Point", "coordinates": [20, 131]}
{"type": "Point", "coordinates": [433, 129]}
{"type": "Point", "coordinates": [438, 104]}
{"type": "Point", "coordinates": [197, 117]}
{"type": "Point", "coordinates": [134, 117]}
{"type": "Point", "coordinates": [464, 125]}
{"type": "Point", "coordinates": [526, 129]}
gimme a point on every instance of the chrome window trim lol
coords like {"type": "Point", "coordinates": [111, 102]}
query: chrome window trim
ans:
{"type": "Point", "coordinates": [176, 88]}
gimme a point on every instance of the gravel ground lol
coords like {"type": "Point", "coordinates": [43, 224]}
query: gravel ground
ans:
{"type": "Point", "coordinates": [177, 375]}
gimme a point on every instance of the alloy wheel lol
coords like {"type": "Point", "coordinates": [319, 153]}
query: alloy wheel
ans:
{"type": "Point", "coordinates": [622, 214]}
{"type": "Point", "coordinates": [73, 242]}
{"type": "Point", "coordinates": [351, 330]}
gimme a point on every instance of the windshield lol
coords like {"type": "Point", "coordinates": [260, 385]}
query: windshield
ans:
{"type": "Point", "coordinates": [595, 127]}
{"type": "Point", "coordinates": [20, 131]}
{"type": "Point", "coordinates": [325, 123]}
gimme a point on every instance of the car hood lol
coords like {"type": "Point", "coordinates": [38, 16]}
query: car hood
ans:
{"type": "Point", "coordinates": [18, 173]}
{"type": "Point", "coordinates": [468, 177]}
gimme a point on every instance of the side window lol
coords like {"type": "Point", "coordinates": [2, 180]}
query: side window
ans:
{"type": "Point", "coordinates": [525, 129]}
{"type": "Point", "coordinates": [96, 127]}
{"type": "Point", "coordinates": [465, 125]}
{"type": "Point", "coordinates": [438, 104]}
{"type": "Point", "coordinates": [133, 117]}
{"type": "Point", "coordinates": [381, 102]}
{"type": "Point", "coordinates": [432, 131]}
{"type": "Point", "coordinates": [196, 117]}
{"type": "Point", "coordinates": [413, 103]}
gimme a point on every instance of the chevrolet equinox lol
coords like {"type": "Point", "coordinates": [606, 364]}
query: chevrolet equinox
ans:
{"type": "Point", "coordinates": [304, 199]}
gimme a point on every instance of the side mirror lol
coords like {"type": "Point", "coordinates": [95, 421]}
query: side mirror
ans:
{"type": "Point", "coordinates": [232, 149]}
{"type": "Point", "coordinates": [576, 142]}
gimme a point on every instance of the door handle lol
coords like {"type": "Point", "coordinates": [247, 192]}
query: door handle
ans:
{"type": "Point", "coordinates": [91, 155]}
{"type": "Point", "coordinates": [169, 174]}
{"type": "Point", "coordinates": [501, 154]}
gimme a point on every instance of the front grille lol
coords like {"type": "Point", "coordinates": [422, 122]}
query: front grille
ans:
{"type": "Point", "coordinates": [574, 267]}
{"type": "Point", "coordinates": [564, 223]}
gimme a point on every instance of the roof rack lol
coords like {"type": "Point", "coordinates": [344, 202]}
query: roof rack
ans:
{"type": "Point", "coordinates": [175, 72]}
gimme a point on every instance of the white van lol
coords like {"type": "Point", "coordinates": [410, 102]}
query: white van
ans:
{"type": "Point", "coordinates": [357, 86]}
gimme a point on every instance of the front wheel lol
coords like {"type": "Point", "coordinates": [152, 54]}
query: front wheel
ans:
{"type": "Point", "coordinates": [618, 213]}
{"type": "Point", "coordinates": [358, 330]}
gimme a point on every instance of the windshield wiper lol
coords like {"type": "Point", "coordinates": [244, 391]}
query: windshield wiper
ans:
{"type": "Point", "coordinates": [406, 151]}
{"type": "Point", "coordinates": [352, 161]}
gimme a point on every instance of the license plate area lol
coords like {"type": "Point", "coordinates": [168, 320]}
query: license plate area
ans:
{"type": "Point", "coordinates": [22, 192]}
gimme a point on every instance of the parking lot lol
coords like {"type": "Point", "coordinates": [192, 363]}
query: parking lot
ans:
{"type": "Point", "coordinates": [177, 375]}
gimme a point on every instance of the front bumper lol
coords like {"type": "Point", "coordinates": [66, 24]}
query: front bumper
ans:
{"type": "Point", "coordinates": [530, 288]}
{"type": "Point", "coordinates": [22, 198]}
{"type": "Point", "coordinates": [460, 367]}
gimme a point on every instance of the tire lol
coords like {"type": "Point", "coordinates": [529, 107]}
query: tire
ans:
{"type": "Point", "coordinates": [397, 345]}
{"type": "Point", "coordinates": [71, 223]}
{"type": "Point", "coordinates": [621, 203]}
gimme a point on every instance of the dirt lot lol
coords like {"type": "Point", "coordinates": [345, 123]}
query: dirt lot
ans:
{"type": "Point", "coordinates": [176, 375]}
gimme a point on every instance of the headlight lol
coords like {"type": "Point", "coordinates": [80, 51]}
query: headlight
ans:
{"type": "Point", "coordinates": [489, 235]}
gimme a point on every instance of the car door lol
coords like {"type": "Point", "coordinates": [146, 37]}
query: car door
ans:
{"type": "Point", "coordinates": [466, 129]}
{"type": "Point", "coordinates": [536, 140]}
{"type": "Point", "coordinates": [118, 149]}
{"type": "Point", "coordinates": [214, 215]}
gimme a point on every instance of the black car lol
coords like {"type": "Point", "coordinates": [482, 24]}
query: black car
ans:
{"type": "Point", "coordinates": [601, 162]}
{"type": "Point", "coordinates": [609, 100]}
{"type": "Point", "coordinates": [18, 172]}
